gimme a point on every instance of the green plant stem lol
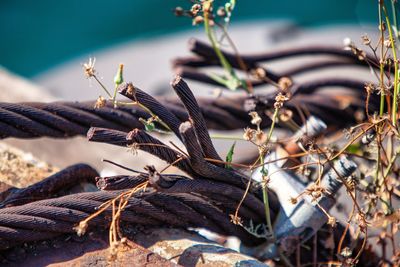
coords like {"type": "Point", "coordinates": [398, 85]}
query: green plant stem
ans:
{"type": "Point", "coordinates": [247, 86]}
{"type": "Point", "coordinates": [396, 69]}
{"type": "Point", "coordinates": [394, 15]}
{"type": "Point", "coordinates": [381, 67]}
{"type": "Point", "coordinates": [264, 186]}
{"type": "Point", "coordinates": [145, 109]}
{"type": "Point", "coordinates": [211, 36]}
{"type": "Point", "coordinates": [214, 43]}
{"type": "Point", "coordinates": [271, 129]}
{"type": "Point", "coordinates": [227, 137]}
{"type": "Point", "coordinates": [114, 98]}
{"type": "Point", "coordinates": [266, 201]}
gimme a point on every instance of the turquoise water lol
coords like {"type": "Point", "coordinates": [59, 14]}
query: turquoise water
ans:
{"type": "Point", "coordinates": [37, 35]}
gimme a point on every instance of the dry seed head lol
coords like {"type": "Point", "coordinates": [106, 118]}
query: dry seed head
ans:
{"type": "Point", "coordinates": [316, 195]}
{"type": "Point", "coordinates": [280, 99]}
{"type": "Point", "coordinates": [361, 54]}
{"type": "Point", "coordinates": [221, 11]}
{"type": "Point", "coordinates": [195, 9]}
{"type": "Point", "coordinates": [387, 43]}
{"type": "Point", "coordinates": [293, 200]}
{"type": "Point", "coordinates": [178, 11]}
{"type": "Point", "coordinates": [285, 83]}
{"type": "Point", "coordinates": [197, 20]}
{"type": "Point", "coordinates": [331, 221]}
{"type": "Point", "coordinates": [248, 134]}
{"type": "Point", "coordinates": [255, 118]}
{"type": "Point", "coordinates": [369, 87]}
{"type": "Point", "coordinates": [261, 137]}
{"type": "Point", "coordinates": [285, 115]}
{"type": "Point", "coordinates": [236, 220]}
{"type": "Point", "coordinates": [315, 191]}
{"type": "Point", "coordinates": [259, 73]}
{"type": "Point", "coordinates": [100, 102]}
{"type": "Point", "coordinates": [349, 45]}
{"type": "Point", "coordinates": [366, 40]}
{"type": "Point", "coordinates": [81, 228]}
{"type": "Point", "coordinates": [88, 68]}
{"type": "Point", "coordinates": [346, 252]}
{"type": "Point", "coordinates": [131, 89]}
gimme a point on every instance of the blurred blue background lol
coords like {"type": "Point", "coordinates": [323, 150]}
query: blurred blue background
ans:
{"type": "Point", "coordinates": [37, 35]}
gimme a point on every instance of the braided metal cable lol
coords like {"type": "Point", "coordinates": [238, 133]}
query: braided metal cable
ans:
{"type": "Point", "coordinates": [186, 67]}
{"type": "Point", "coordinates": [67, 119]}
{"type": "Point", "coordinates": [186, 96]}
{"type": "Point", "coordinates": [195, 166]}
{"type": "Point", "coordinates": [46, 218]}
{"type": "Point", "coordinates": [177, 184]}
{"type": "Point", "coordinates": [61, 180]}
{"type": "Point", "coordinates": [190, 208]}
{"type": "Point", "coordinates": [143, 141]}
{"type": "Point", "coordinates": [63, 119]}
{"type": "Point", "coordinates": [120, 181]}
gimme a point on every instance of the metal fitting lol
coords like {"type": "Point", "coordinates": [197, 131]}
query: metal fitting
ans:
{"type": "Point", "coordinates": [303, 220]}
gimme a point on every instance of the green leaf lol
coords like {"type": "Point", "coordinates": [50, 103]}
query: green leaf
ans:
{"type": "Point", "coordinates": [264, 171]}
{"type": "Point", "coordinates": [149, 126]}
{"type": "Point", "coordinates": [354, 149]}
{"type": "Point", "coordinates": [232, 83]}
{"type": "Point", "coordinates": [229, 156]}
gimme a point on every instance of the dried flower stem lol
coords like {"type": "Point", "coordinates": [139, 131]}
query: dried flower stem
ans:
{"type": "Point", "coordinates": [102, 86]}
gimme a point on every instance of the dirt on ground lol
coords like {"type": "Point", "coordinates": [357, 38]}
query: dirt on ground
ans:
{"type": "Point", "coordinates": [20, 169]}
